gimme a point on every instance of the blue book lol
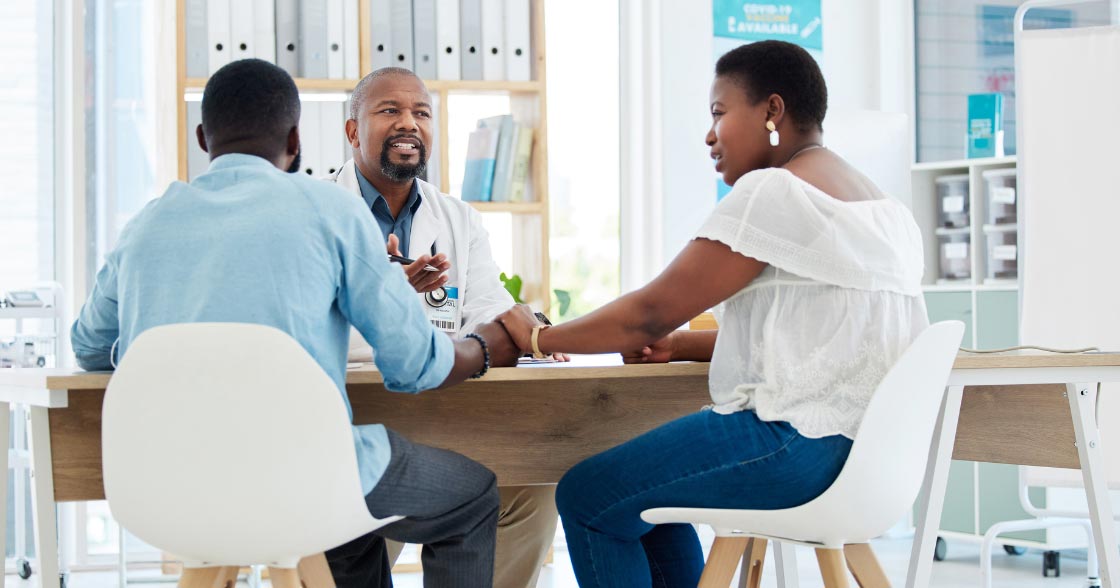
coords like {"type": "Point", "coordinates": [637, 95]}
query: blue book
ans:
{"type": "Point", "coordinates": [482, 154]}
{"type": "Point", "coordinates": [985, 125]}
{"type": "Point", "coordinates": [503, 166]}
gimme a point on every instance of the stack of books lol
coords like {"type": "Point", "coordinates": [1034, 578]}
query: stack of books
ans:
{"type": "Point", "coordinates": [498, 155]}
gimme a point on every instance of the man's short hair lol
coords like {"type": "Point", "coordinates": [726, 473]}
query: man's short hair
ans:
{"type": "Point", "coordinates": [359, 95]}
{"type": "Point", "coordinates": [249, 100]}
{"type": "Point", "coordinates": [777, 67]}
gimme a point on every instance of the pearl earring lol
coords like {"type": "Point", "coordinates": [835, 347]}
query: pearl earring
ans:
{"type": "Point", "coordinates": [774, 138]}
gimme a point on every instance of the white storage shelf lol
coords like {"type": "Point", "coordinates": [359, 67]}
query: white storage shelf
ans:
{"type": "Point", "coordinates": [927, 213]}
{"type": "Point", "coordinates": [28, 313]}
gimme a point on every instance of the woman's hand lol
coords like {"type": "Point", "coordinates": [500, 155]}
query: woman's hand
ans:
{"type": "Point", "coordinates": [659, 352]}
{"type": "Point", "coordinates": [519, 322]}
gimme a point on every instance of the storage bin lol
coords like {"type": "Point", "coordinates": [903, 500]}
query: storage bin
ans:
{"type": "Point", "coordinates": [952, 200]}
{"type": "Point", "coordinates": [1001, 193]}
{"type": "Point", "coordinates": [955, 253]}
{"type": "Point", "coordinates": [1003, 251]}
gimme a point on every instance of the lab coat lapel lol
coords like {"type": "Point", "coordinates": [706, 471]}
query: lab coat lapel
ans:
{"type": "Point", "coordinates": [347, 177]}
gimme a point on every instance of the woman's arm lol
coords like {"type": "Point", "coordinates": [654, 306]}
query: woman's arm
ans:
{"type": "Point", "coordinates": [676, 346]}
{"type": "Point", "coordinates": [693, 345]}
{"type": "Point", "coordinates": [705, 273]}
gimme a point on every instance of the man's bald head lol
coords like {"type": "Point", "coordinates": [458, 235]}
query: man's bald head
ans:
{"type": "Point", "coordinates": [361, 92]}
{"type": "Point", "coordinates": [390, 127]}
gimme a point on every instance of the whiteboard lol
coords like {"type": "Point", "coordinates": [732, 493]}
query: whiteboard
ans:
{"type": "Point", "coordinates": [1069, 182]}
{"type": "Point", "coordinates": [1069, 190]}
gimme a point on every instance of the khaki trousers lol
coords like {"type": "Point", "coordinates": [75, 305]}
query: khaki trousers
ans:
{"type": "Point", "coordinates": [526, 528]}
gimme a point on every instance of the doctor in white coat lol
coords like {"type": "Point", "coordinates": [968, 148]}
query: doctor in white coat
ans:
{"type": "Point", "coordinates": [390, 129]}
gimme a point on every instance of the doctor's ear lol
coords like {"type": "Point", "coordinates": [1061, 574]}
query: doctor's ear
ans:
{"type": "Point", "coordinates": [201, 138]}
{"type": "Point", "coordinates": [352, 133]}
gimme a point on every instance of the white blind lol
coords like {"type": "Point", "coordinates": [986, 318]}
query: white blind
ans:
{"type": "Point", "coordinates": [26, 152]}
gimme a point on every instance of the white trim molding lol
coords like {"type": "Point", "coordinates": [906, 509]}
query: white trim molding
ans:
{"type": "Point", "coordinates": [640, 154]}
{"type": "Point", "coordinates": [70, 163]}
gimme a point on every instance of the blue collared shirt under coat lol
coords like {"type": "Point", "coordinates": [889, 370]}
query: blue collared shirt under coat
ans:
{"type": "Point", "coordinates": [400, 226]}
{"type": "Point", "coordinates": [246, 242]}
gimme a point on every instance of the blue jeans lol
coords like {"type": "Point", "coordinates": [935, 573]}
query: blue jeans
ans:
{"type": "Point", "coordinates": [704, 460]}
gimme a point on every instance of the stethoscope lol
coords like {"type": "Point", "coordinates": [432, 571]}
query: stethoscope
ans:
{"type": "Point", "coordinates": [436, 298]}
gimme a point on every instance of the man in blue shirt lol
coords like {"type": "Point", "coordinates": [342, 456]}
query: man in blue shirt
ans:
{"type": "Point", "coordinates": [247, 242]}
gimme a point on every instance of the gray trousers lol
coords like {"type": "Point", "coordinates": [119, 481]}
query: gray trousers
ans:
{"type": "Point", "coordinates": [451, 507]}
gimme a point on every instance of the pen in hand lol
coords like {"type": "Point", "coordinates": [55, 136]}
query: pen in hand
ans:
{"type": "Point", "coordinates": [407, 261]}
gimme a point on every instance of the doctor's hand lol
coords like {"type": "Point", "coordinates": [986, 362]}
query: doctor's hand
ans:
{"type": "Point", "coordinates": [421, 279]}
{"type": "Point", "coordinates": [658, 352]}
{"type": "Point", "coordinates": [503, 352]}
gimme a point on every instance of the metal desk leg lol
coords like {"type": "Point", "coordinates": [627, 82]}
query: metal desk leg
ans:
{"type": "Point", "coordinates": [932, 497]}
{"type": "Point", "coordinates": [42, 497]}
{"type": "Point", "coordinates": [1082, 405]}
{"type": "Point", "coordinates": [5, 420]}
{"type": "Point", "coordinates": [19, 488]}
{"type": "Point", "coordinates": [785, 564]}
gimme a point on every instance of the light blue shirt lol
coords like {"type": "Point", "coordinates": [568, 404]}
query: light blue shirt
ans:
{"type": "Point", "coordinates": [246, 242]}
{"type": "Point", "coordinates": [401, 226]}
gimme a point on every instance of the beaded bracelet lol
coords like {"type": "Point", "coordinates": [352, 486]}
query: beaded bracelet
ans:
{"type": "Point", "coordinates": [485, 355]}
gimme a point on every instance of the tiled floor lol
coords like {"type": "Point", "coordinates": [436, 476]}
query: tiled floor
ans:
{"type": "Point", "coordinates": [960, 569]}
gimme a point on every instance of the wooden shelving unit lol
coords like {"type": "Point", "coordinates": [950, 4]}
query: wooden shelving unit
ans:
{"type": "Point", "coordinates": [527, 103]}
{"type": "Point", "coordinates": [304, 84]}
{"type": "Point", "coordinates": [510, 207]}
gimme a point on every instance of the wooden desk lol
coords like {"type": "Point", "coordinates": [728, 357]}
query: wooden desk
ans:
{"type": "Point", "coordinates": [530, 424]}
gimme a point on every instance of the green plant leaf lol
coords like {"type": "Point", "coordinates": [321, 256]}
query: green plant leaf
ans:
{"type": "Point", "coordinates": [513, 286]}
{"type": "Point", "coordinates": [565, 299]}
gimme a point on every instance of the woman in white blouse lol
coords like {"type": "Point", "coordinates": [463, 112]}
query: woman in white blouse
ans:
{"type": "Point", "coordinates": [814, 274]}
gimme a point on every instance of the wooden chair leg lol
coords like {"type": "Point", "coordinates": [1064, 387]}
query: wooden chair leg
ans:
{"type": "Point", "coordinates": [314, 572]}
{"type": "Point", "coordinates": [215, 577]}
{"type": "Point", "coordinates": [831, 562]}
{"type": "Point", "coordinates": [865, 566]}
{"type": "Point", "coordinates": [722, 561]}
{"type": "Point", "coordinates": [750, 575]}
{"type": "Point", "coordinates": [169, 564]}
{"type": "Point", "coordinates": [283, 577]}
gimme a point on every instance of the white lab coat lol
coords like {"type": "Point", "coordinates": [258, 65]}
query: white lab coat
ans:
{"type": "Point", "coordinates": [456, 230]}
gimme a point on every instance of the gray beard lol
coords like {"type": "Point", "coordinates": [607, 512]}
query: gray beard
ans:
{"type": "Point", "coordinates": [400, 172]}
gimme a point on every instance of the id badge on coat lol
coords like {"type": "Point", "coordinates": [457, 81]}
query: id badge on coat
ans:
{"type": "Point", "coordinates": [443, 309]}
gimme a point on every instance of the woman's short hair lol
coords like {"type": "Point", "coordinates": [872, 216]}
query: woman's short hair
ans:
{"type": "Point", "coordinates": [777, 67]}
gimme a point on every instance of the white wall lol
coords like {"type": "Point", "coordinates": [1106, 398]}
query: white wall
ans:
{"type": "Point", "coordinates": [688, 178]}
{"type": "Point", "coordinates": [867, 65]}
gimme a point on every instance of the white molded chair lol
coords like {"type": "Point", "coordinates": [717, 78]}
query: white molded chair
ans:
{"type": "Point", "coordinates": [193, 412]}
{"type": "Point", "coordinates": [876, 487]}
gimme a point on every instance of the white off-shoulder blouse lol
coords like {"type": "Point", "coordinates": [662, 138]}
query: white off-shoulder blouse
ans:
{"type": "Point", "coordinates": [810, 338]}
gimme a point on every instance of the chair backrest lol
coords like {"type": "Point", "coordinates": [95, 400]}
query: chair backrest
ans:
{"type": "Point", "coordinates": [884, 471]}
{"type": "Point", "coordinates": [227, 443]}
